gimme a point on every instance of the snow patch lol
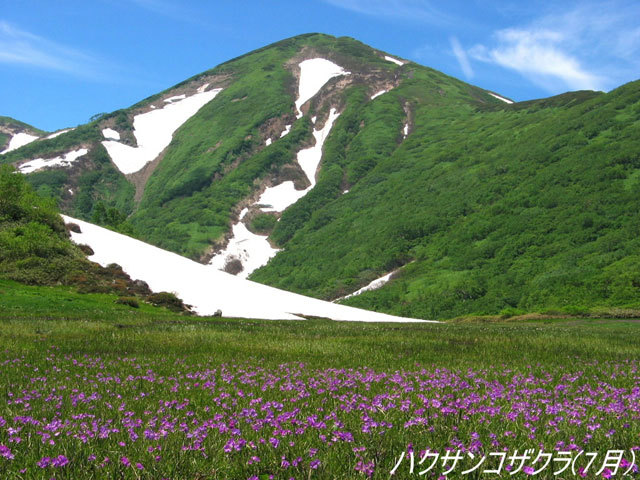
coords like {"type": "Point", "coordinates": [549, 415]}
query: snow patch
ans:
{"type": "Point", "coordinates": [58, 133]}
{"type": "Point", "coordinates": [405, 130]}
{"type": "Point", "coordinates": [110, 134]}
{"type": "Point", "coordinates": [287, 129]}
{"type": "Point", "coordinates": [19, 140]}
{"type": "Point", "coordinates": [500, 98]}
{"type": "Point", "coordinates": [375, 95]}
{"type": "Point", "coordinates": [309, 159]}
{"type": "Point", "coordinates": [203, 88]}
{"type": "Point", "coordinates": [175, 98]}
{"type": "Point", "coordinates": [252, 250]}
{"type": "Point", "coordinates": [70, 192]}
{"type": "Point", "coordinates": [394, 60]}
{"type": "Point", "coordinates": [345, 192]}
{"type": "Point", "coordinates": [64, 161]}
{"type": "Point", "coordinates": [207, 288]}
{"type": "Point", "coordinates": [278, 198]}
{"type": "Point", "coordinates": [268, 142]}
{"type": "Point", "coordinates": [377, 283]}
{"type": "Point", "coordinates": [314, 73]}
{"type": "Point", "coordinates": [154, 130]}
{"type": "Point", "coordinates": [313, 119]}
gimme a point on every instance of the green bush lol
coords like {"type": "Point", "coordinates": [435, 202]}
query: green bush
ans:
{"type": "Point", "coordinates": [263, 223]}
{"type": "Point", "coordinates": [167, 300]}
{"type": "Point", "coordinates": [129, 301]}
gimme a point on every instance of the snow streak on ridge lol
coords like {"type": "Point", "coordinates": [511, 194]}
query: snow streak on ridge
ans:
{"type": "Point", "coordinates": [500, 98]}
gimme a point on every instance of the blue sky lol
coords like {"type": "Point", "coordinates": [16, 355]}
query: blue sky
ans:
{"type": "Point", "coordinates": [63, 61]}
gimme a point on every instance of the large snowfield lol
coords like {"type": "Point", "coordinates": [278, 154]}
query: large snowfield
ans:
{"type": "Point", "coordinates": [154, 130]}
{"type": "Point", "coordinates": [206, 288]}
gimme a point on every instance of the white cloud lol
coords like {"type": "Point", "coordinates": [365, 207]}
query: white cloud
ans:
{"type": "Point", "coordinates": [538, 54]}
{"type": "Point", "coordinates": [461, 56]}
{"type": "Point", "coordinates": [413, 10]}
{"type": "Point", "coordinates": [19, 47]}
{"type": "Point", "coordinates": [592, 46]}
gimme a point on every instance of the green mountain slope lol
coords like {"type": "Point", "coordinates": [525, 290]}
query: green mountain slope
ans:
{"type": "Point", "coordinates": [217, 157]}
{"type": "Point", "coordinates": [529, 207]}
{"type": "Point", "coordinates": [484, 207]}
{"type": "Point", "coordinates": [35, 249]}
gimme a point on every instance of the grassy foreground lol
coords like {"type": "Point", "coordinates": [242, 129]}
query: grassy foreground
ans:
{"type": "Point", "coordinates": [92, 389]}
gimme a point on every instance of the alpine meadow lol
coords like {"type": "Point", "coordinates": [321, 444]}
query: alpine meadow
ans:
{"type": "Point", "coordinates": [319, 260]}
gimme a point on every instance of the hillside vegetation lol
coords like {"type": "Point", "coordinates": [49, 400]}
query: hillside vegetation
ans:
{"type": "Point", "coordinates": [34, 246]}
{"type": "Point", "coordinates": [218, 156]}
{"type": "Point", "coordinates": [35, 249]}
{"type": "Point", "coordinates": [498, 208]}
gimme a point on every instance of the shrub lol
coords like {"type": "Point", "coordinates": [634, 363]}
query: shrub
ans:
{"type": "Point", "coordinates": [86, 249]}
{"type": "Point", "coordinates": [263, 223]}
{"type": "Point", "coordinates": [130, 301]}
{"type": "Point", "coordinates": [511, 312]}
{"type": "Point", "coordinates": [167, 300]}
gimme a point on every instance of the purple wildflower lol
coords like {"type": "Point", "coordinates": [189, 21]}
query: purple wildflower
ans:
{"type": "Point", "coordinates": [6, 452]}
{"type": "Point", "coordinates": [60, 461]}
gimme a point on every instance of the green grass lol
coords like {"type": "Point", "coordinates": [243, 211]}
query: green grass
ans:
{"type": "Point", "coordinates": [35, 317]}
{"type": "Point", "coordinates": [24, 302]}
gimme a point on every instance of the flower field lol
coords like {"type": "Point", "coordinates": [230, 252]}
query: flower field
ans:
{"type": "Point", "coordinates": [133, 418]}
{"type": "Point", "coordinates": [152, 397]}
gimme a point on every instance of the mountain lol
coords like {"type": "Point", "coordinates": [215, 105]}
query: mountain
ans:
{"type": "Point", "coordinates": [319, 165]}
